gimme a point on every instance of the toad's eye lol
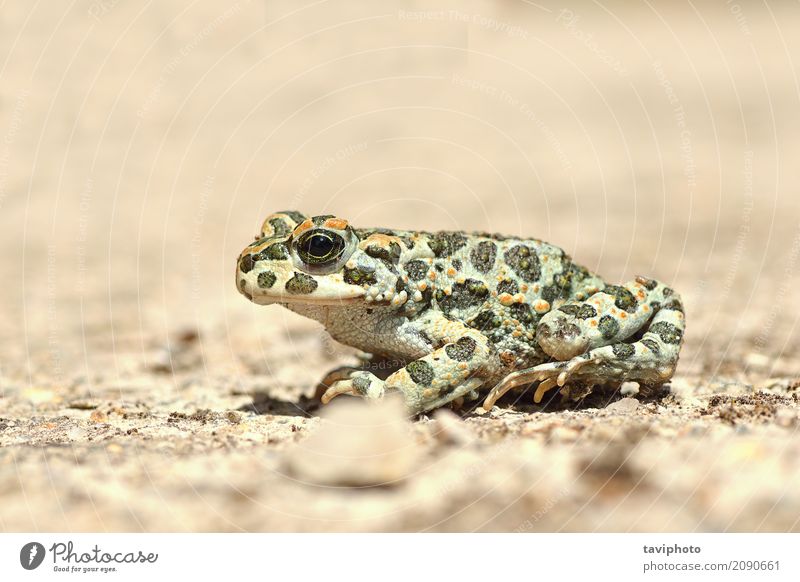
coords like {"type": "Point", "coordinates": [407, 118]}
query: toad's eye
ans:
{"type": "Point", "coordinates": [319, 247]}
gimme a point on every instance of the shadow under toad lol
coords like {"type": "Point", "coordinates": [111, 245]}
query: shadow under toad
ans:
{"type": "Point", "coordinates": [264, 403]}
{"type": "Point", "coordinates": [598, 398]}
{"type": "Point", "coordinates": [519, 401]}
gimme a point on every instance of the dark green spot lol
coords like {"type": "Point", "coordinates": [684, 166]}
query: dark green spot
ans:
{"type": "Point", "coordinates": [563, 280]}
{"type": "Point", "coordinates": [623, 298]}
{"type": "Point", "coordinates": [508, 286]}
{"type": "Point", "coordinates": [266, 279]}
{"type": "Point", "coordinates": [470, 293]}
{"type": "Point", "coordinates": [390, 255]}
{"type": "Point", "coordinates": [609, 327]}
{"type": "Point", "coordinates": [668, 333]}
{"type": "Point", "coordinates": [523, 313]}
{"type": "Point", "coordinates": [246, 264]}
{"type": "Point", "coordinates": [444, 244]}
{"type": "Point", "coordinates": [579, 273]}
{"type": "Point", "coordinates": [673, 303]}
{"type": "Point", "coordinates": [462, 350]}
{"type": "Point", "coordinates": [623, 351]}
{"type": "Point", "coordinates": [301, 284]}
{"type": "Point", "coordinates": [421, 372]}
{"type": "Point", "coordinates": [274, 252]}
{"type": "Point", "coordinates": [483, 255]}
{"type": "Point", "coordinates": [524, 262]}
{"type": "Point", "coordinates": [279, 227]}
{"type": "Point", "coordinates": [649, 284]}
{"type": "Point", "coordinates": [550, 293]}
{"type": "Point", "coordinates": [417, 270]}
{"type": "Point", "coordinates": [586, 311]}
{"type": "Point", "coordinates": [486, 320]}
{"type": "Point", "coordinates": [359, 276]}
{"type": "Point", "coordinates": [570, 309]}
{"type": "Point", "coordinates": [408, 241]}
{"type": "Point", "coordinates": [361, 384]}
{"type": "Point", "coordinates": [652, 345]}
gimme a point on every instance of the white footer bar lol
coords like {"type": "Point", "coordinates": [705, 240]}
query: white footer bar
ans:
{"type": "Point", "coordinates": [407, 557]}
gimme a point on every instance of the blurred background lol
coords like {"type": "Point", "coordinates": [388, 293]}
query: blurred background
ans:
{"type": "Point", "coordinates": [142, 144]}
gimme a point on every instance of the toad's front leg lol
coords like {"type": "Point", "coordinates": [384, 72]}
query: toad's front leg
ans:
{"type": "Point", "coordinates": [461, 360]}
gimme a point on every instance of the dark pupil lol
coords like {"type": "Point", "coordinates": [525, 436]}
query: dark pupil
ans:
{"type": "Point", "coordinates": [320, 247]}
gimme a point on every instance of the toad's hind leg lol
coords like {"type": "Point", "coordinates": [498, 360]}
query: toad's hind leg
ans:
{"type": "Point", "coordinates": [650, 359]}
{"type": "Point", "coordinates": [607, 317]}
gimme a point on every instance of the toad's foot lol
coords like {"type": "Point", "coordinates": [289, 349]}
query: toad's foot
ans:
{"type": "Point", "coordinates": [342, 373]}
{"type": "Point", "coordinates": [369, 386]}
{"type": "Point", "coordinates": [548, 375]}
{"type": "Point", "coordinates": [382, 368]}
{"type": "Point", "coordinates": [356, 383]}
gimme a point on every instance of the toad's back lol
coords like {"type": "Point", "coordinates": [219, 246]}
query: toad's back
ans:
{"type": "Point", "coordinates": [463, 273]}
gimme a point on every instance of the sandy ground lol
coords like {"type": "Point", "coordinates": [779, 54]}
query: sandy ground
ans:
{"type": "Point", "coordinates": [142, 143]}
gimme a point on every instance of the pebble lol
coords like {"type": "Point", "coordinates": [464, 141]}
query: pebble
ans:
{"type": "Point", "coordinates": [358, 444]}
{"type": "Point", "coordinates": [564, 434]}
{"type": "Point", "coordinates": [451, 429]}
{"type": "Point", "coordinates": [98, 416]}
{"type": "Point", "coordinates": [624, 406]}
{"type": "Point", "coordinates": [785, 417]}
{"type": "Point", "coordinates": [757, 361]}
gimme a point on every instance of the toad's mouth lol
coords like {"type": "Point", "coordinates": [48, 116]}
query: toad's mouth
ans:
{"type": "Point", "coordinates": [306, 300]}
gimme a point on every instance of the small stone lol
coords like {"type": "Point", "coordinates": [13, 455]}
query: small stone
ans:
{"type": "Point", "coordinates": [38, 395]}
{"type": "Point", "coordinates": [75, 434]}
{"type": "Point", "coordinates": [757, 361]}
{"type": "Point", "coordinates": [358, 443]}
{"type": "Point", "coordinates": [629, 388]}
{"type": "Point", "coordinates": [564, 434]}
{"type": "Point", "coordinates": [451, 429]}
{"type": "Point", "coordinates": [83, 404]}
{"type": "Point", "coordinates": [624, 406]}
{"type": "Point", "coordinates": [785, 417]}
{"type": "Point", "coordinates": [98, 416]}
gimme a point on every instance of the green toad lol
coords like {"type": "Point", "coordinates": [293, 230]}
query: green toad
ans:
{"type": "Point", "coordinates": [448, 315]}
